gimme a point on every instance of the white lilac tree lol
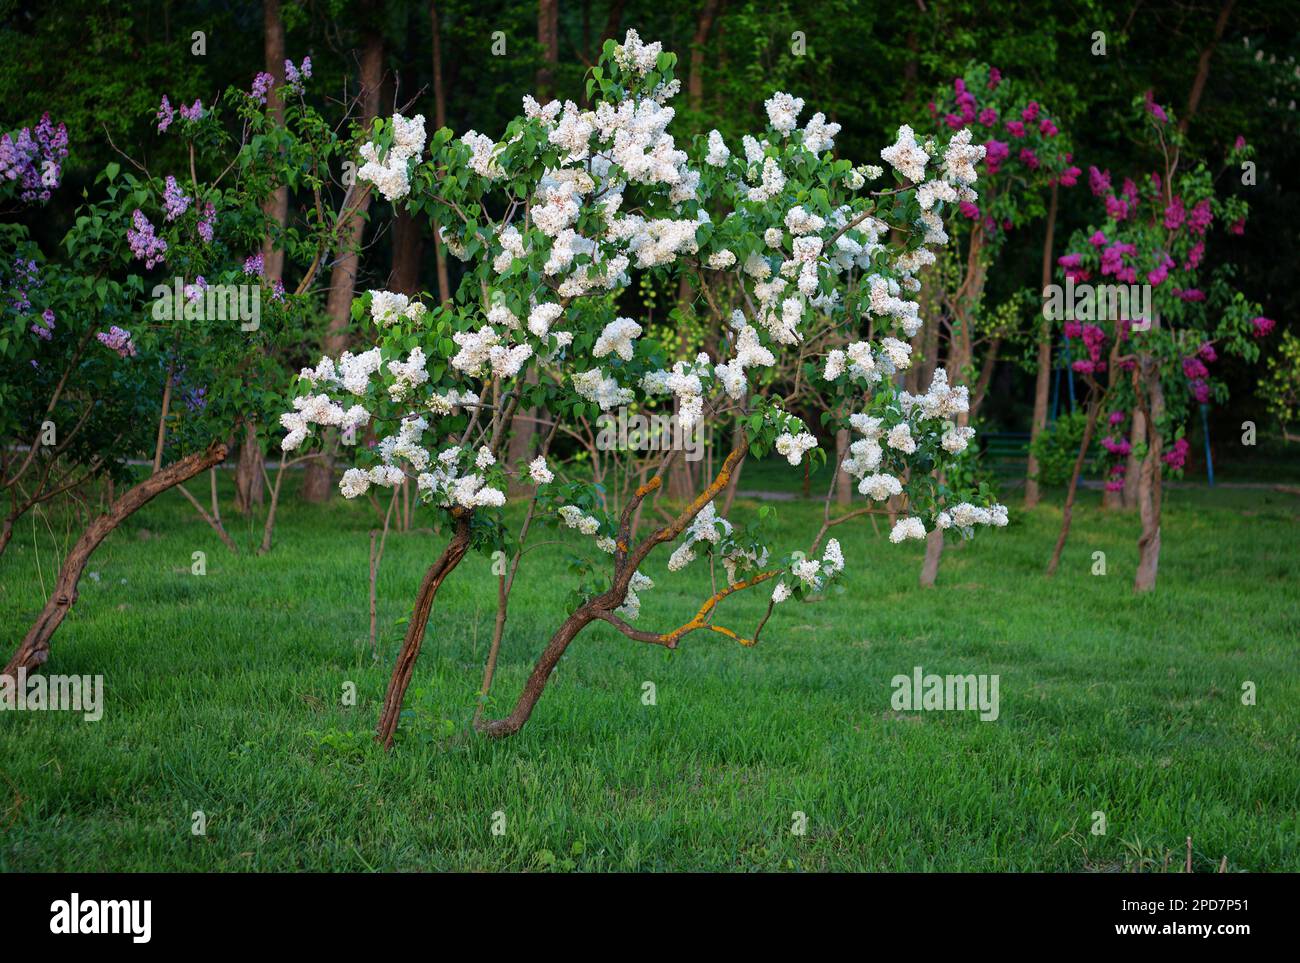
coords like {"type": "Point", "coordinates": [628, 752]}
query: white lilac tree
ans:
{"type": "Point", "coordinates": [553, 221]}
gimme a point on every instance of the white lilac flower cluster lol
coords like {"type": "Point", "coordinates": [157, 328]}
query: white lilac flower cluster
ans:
{"type": "Point", "coordinates": [686, 383]}
{"type": "Point", "coordinates": [631, 606]}
{"type": "Point", "coordinates": [713, 535]}
{"type": "Point", "coordinates": [387, 308]}
{"type": "Point", "coordinates": [810, 573]}
{"type": "Point", "coordinates": [793, 446]}
{"type": "Point", "coordinates": [575, 518]}
{"type": "Point", "coordinates": [451, 483]}
{"type": "Point", "coordinates": [318, 410]}
{"type": "Point", "coordinates": [539, 472]}
{"type": "Point", "coordinates": [965, 516]}
{"type": "Point", "coordinates": [391, 173]}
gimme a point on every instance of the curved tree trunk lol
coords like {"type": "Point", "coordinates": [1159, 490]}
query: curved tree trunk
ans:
{"type": "Point", "coordinates": [1068, 512]}
{"type": "Point", "coordinates": [415, 628]}
{"type": "Point", "coordinates": [35, 647]}
{"type": "Point", "coordinates": [540, 675]}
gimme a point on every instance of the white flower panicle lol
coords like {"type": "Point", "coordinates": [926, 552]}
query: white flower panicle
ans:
{"type": "Point", "coordinates": [390, 174]}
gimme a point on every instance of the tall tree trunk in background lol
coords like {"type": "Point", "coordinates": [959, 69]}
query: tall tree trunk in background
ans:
{"type": "Point", "coordinates": [407, 233]}
{"type": "Point", "coordinates": [408, 249]}
{"type": "Point", "coordinates": [439, 122]}
{"type": "Point", "coordinates": [612, 23]}
{"type": "Point", "coordinates": [317, 482]}
{"type": "Point", "coordinates": [250, 481]}
{"type": "Point", "coordinates": [1043, 376]}
{"type": "Point", "coordinates": [681, 480]}
{"type": "Point", "coordinates": [276, 207]}
{"type": "Point", "coordinates": [249, 475]}
{"type": "Point", "coordinates": [548, 38]}
{"type": "Point", "coordinates": [1203, 67]}
{"type": "Point", "coordinates": [523, 427]}
{"type": "Point", "coordinates": [1113, 500]}
{"type": "Point", "coordinates": [695, 82]}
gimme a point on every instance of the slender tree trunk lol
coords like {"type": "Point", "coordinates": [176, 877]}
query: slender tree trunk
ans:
{"type": "Point", "coordinates": [276, 206]}
{"type": "Point", "coordinates": [318, 480]}
{"type": "Point", "coordinates": [1043, 376]}
{"type": "Point", "coordinates": [695, 82]}
{"type": "Point", "coordinates": [959, 358]}
{"type": "Point", "coordinates": [1133, 466]}
{"type": "Point", "coordinates": [1203, 67]}
{"type": "Point", "coordinates": [548, 38]}
{"type": "Point", "coordinates": [1151, 482]}
{"type": "Point", "coordinates": [1067, 513]}
{"type": "Point", "coordinates": [415, 628]}
{"type": "Point", "coordinates": [843, 483]}
{"type": "Point", "coordinates": [408, 249]}
{"type": "Point", "coordinates": [980, 391]}
{"type": "Point", "coordinates": [35, 647]}
{"type": "Point", "coordinates": [439, 122]}
{"type": "Point", "coordinates": [523, 436]}
{"type": "Point", "coordinates": [933, 555]}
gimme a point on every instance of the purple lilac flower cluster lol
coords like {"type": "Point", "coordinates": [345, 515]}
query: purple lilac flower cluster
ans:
{"type": "Point", "coordinates": [117, 339]}
{"type": "Point", "coordinates": [35, 159]}
{"type": "Point", "coordinates": [294, 76]}
{"type": "Point", "coordinates": [166, 114]}
{"type": "Point", "coordinates": [175, 201]}
{"type": "Point", "coordinates": [145, 244]}
{"type": "Point", "coordinates": [208, 222]}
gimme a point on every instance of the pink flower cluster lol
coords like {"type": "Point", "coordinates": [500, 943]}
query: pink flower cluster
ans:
{"type": "Point", "coordinates": [1176, 456]}
{"type": "Point", "coordinates": [1112, 262]}
{"type": "Point", "coordinates": [1094, 340]}
{"type": "Point", "coordinates": [966, 111]}
{"type": "Point", "coordinates": [1118, 447]}
{"type": "Point", "coordinates": [1155, 109]}
{"type": "Point", "coordinates": [1198, 374]}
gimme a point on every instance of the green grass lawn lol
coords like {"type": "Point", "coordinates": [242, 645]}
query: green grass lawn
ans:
{"type": "Point", "coordinates": [223, 694]}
